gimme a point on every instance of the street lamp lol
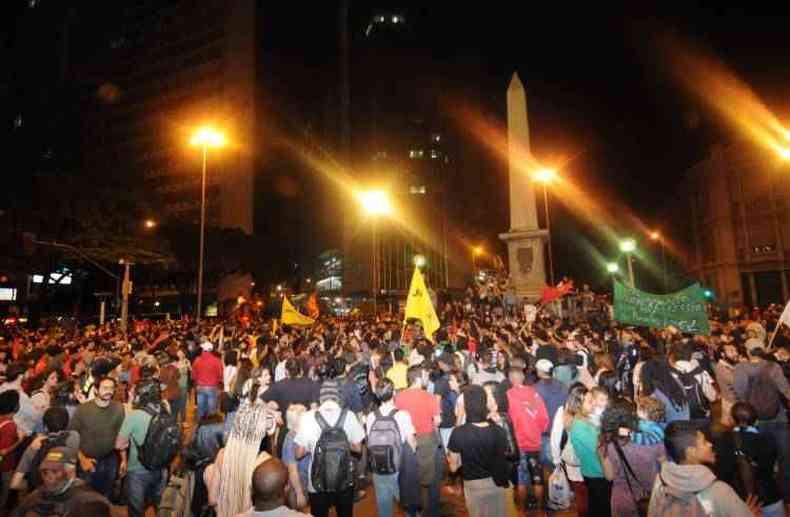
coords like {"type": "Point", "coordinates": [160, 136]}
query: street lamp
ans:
{"type": "Point", "coordinates": [375, 203]}
{"type": "Point", "coordinates": [546, 176]}
{"type": "Point", "coordinates": [205, 137]}
{"type": "Point", "coordinates": [784, 153]}
{"type": "Point", "coordinates": [419, 260]}
{"type": "Point", "coordinates": [476, 251]}
{"type": "Point", "coordinates": [612, 267]}
{"type": "Point", "coordinates": [628, 246]}
{"type": "Point", "coordinates": [656, 236]}
{"type": "Point", "coordinates": [150, 223]}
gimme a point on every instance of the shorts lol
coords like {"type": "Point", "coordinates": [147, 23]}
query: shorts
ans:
{"type": "Point", "coordinates": [530, 469]}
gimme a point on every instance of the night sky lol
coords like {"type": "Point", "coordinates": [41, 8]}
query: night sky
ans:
{"type": "Point", "coordinates": [598, 96]}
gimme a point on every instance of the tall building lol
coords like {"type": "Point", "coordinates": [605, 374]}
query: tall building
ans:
{"type": "Point", "coordinates": [738, 239]}
{"type": "Point", "coordinates": [400, 143]}
{"type": "Point", "coordinates": [151, 72]}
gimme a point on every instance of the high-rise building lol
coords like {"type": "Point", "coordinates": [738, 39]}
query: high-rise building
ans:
{"type": "Point", "coordinates": [738, 239]}
{"type": "Point", "coordinates": [151, 73]}
{"type": "Point", "coordinates": [400, 143]}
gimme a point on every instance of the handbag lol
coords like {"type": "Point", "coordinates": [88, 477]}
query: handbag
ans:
{"type": "Point", "coordinates": [642, 503]}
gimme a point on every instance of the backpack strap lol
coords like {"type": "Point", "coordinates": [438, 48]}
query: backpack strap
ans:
{"type": "Point", "coordinates": [321, 421]}
{"type": "Point", "coordinates": [341, 419]}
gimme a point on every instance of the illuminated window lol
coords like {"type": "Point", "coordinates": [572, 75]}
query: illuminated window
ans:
{"type": "Point", "coordinates": [396, 19]}
{"type": "Point", "coordinates": [436, 137]}
{"type": "Point", "coordinates": [434, 154]}
{"type": "Point", "coordinates": [18, 121]}
{"type": "Point", "coordinates": [379, 19]}
{"type": "Point", "coordinates": [32, 3]}
{"type": "Point", "coordinates": [417, 189]}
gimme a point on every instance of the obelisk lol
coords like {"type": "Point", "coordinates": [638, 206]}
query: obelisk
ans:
{"type": "Point", "coordinates": [525, 238]}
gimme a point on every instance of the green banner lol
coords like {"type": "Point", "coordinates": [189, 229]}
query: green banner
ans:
{"type": "Point", "coordinates": [683, 309]}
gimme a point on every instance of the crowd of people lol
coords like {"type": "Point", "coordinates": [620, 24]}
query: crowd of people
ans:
{"type": "Point", "coordinates": [517, 412]}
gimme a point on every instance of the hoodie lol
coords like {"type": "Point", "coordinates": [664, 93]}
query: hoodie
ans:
{"type": "Point", "coordinates": [691, 491]}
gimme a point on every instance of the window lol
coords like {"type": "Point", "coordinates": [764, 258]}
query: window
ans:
{"type": "Point", "coordinates": [18, 121]}
{"type": "Point", "coordinates": [32, 3]}
{"type": "Point", "coordinates": [434, 154]}
{"type": "Point", "coordinates": [415, 153]}
{"type": "Point", "coordinates": [417, 189]}
{"type": "Point", "coordinates": [436, 137]}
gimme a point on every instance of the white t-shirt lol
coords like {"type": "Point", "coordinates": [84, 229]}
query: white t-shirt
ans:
{"type": "Point", "coordinates": [309, 431]}
{"type": "Point", "coordinates": [228, 375]}
{"type": "Point", "coordinates": [402, 418]}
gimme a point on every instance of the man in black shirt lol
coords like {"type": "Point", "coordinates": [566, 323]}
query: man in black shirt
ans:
{"type": "Point", "coordinates": [294, 389]}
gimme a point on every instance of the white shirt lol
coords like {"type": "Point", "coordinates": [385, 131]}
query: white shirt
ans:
{"type": "Point", "coordinates": [568, 455]}
{"type": "Point", "coordinates": [228, 374]}
{"type": "Point", "coordinates": [279, 371]}
{"type": "Point", "coordinates": [402, 418]}
{"type": "Point", "coordinates": [704, 378]}
{"type": "Point", "coordinates": [309, 431]}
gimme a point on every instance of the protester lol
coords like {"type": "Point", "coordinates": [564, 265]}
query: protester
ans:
{"type": "Point", "coordinates": [562, 449]}
{"type": "Point", "coordinates": [554, 393]}
{"type": "Point", "coordinates": [98, 422]}
{"type": "Point", "coordinates": [207, 371]}
{"type": "Point", "coordinates": [687, 486]}
{"type": "Point", "coordinates": [584, 435]}
{"type": "Point", "coordinates": [269, 491]}
{"type": "Point", "coordinates": [9, 441]}
{"type": "Point", "coordinates": [479, 446]}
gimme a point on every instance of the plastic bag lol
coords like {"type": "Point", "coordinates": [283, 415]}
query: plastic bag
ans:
{"type": "Point", "coordinates": [560, 494]}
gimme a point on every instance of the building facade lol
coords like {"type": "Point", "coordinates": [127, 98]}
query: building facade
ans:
{"type": "Point", "coordinates": [155, 72]}
{"type": "Point", "coordinates": [401, 144]}
{"type": "Point", "coordinates": [738, 239]}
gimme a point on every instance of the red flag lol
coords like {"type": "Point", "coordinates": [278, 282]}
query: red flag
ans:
{"type": "Point", "coordinates": [554, 293]}
{"type": "Point", "coordinates": [312, 306]}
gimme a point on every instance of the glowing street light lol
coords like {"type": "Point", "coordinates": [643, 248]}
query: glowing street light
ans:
{"type": "Point", "coordinates": [419, 260]}
{"type": "Point", "coordinates": [784, 153]}
{"type": "Point", "coordinates": [375, 203]}
{"type": "Point", "coordinates": [476, 252]}
{"type": "Point", "coordinates": [628, 246]}
{"type": "Point", "coordinates": [655, 236]}
{"type": "Point", "coordinates": [205, 137]}
{"type": "Point", "coordinates": [612, 267]}
{"type": "Point", "coordinates": [546, 176]}
{"type": "Point", "coordinates": [149, 223]}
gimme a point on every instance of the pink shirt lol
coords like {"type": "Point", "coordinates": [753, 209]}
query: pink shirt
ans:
{"type": "Point", "coordinates": [528, 413]}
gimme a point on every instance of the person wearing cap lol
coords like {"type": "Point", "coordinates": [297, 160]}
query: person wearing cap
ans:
{"type": "Point", "coordinates": [745, 374]}
{"type": "Point", "coordinates": [307, 437]}
{"type": "Point", "coordinates": [61, 491]}
{"type": "Point", "coordinates": [207, 372]}
{"type": "Point", "coordinates": [554, 393]}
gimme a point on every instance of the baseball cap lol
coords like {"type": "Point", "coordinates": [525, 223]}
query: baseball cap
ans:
{"type": "Point", "coordinates": [207, 346]}
{"type": "Point", "coordinates": [753, 344]}
{"type": "Point", "coordinates": [59, 457]}
{"type": "Point", "coordinates": [544, 365]}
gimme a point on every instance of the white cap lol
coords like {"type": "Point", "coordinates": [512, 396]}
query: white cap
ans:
{"type": "Point", "coordinates": [544, 365]}
{"type": "Point", "coordinates": [207, 346]}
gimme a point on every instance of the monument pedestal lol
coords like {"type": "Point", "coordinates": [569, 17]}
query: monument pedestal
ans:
{"type": "Point", "coordinates": [526, 259]}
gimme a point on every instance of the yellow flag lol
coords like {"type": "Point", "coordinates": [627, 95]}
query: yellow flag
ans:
{"type": "Point", "coordinates": [290, 316]}
{"type": "Point", "coordinates": [420, 307]}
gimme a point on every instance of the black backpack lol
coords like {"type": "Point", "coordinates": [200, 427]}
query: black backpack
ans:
{"type": "Point", "coordinates": [698, 404]}
{"type": "Point", "coordinates": [333, 466]}
{"type": "Point", "coordinates": [162, 440]}
{"type": "Point", "coordinates": [512, 452]}
{"type": "Point", "coordinates": [763, 395]}
{"type": "Point", "coordinates": [52, 440]}
{"type": "Point", "coordinates": [384, 444]}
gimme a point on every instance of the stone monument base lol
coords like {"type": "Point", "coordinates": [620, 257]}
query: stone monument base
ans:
{"type": "Point", "coordinates": [526, 262]}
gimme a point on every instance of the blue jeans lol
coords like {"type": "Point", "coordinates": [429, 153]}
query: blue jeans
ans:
{"type": "Point", "coordinates": [780, 431]}
{"type": "Point", "coordinates": [143, 486]}
{"type": "Point", "coordinates": [207, 400]}
{"type": "Point", "coordinates": [545, 451]}
{"type": "Point", "coordinates": [387, 491]}
{"type": "Point", "coordinates": [103, 476]}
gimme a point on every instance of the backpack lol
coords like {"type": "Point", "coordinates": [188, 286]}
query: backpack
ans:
{"type": "Point", "coordinates": [698, 404]}
{"type": "Point", "coordinates": [176, 500]}
{"type": "Point", "coordinates": [333, 466]}
{"type": "Point", "coordinates": [763, 395]}
{"type": "Point", "coordinates": [52, 440]}
{"type": "Point", "coordinates": [512, 452]}
{"type": "Point", "coordinates": [384, 444]}
{"type": "Point", "coordinates": [162, 440]}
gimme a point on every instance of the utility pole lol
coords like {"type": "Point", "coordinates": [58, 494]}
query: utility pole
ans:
{"type": "Point", "coordinates": [126, 289]}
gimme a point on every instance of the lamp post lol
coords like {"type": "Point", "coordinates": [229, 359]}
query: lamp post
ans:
{"type": "Point", "coordinates": [476, 251]}
{"type": "Point", "coordinates": [628, 246]}
{"type": "Point", "coordinates": [656, 236]}
{"type": "Point", "coordinates": [375, 203]}
{"type": "Point", "coordinates": [204, 138]}
{"type": "Point", "coordinates": [546, 176]}
{"type": "Point", "coordinates": [612, 268]}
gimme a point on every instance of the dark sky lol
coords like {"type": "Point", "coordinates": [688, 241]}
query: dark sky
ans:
{"type": "Point", "coordinates": [597, 91]}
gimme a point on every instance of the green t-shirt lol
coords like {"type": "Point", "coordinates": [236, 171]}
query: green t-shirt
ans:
{"type": "Point", "coordinates": [97, 427]}
{"type": "Point", "coordinates": [134, 429]}
{"type": "Point", "coordinates": [584, 438]}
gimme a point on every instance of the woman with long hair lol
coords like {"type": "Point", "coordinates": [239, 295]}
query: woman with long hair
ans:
{"type": "Point", "coordinates": [631, 468]}
{"type": "Point", "coordinates": [584, 435]}
{"type": "Point", "coordinates": [658, 382]}
{"type": "Point", "coordinates": [41, 391]}
{"type": "Point", "coordinates": [562, 449]}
